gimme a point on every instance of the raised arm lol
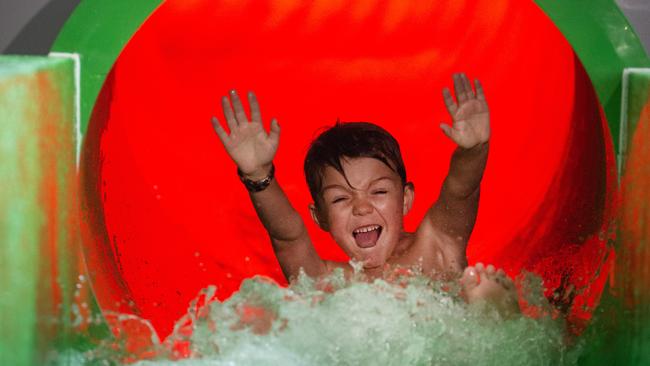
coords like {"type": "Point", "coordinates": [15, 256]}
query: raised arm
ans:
{"type": "Point", "coordinates": [252, 149]}
{"type": "Point", "coordinates": [450, 221]}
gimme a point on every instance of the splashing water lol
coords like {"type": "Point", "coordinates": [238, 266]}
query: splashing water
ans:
{"type": "Point", "coordinates": [405, 319]}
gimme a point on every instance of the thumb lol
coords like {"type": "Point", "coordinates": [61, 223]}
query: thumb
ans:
{"type": "Point", "coordinates": [447, 130]}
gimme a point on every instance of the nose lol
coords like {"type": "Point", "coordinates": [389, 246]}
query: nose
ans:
{"type": "Point", "coordinates": [361, 206]}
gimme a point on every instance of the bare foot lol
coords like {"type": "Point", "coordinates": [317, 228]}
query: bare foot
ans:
{"type": "Point", "coordinates": [485, 285]}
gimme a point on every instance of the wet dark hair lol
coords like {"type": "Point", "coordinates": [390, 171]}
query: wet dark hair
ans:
{"type": "Point", "coordinates": [350, 140]}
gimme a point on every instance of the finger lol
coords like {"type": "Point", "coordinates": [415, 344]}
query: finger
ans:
{"type": "Point", "coordinates": [467, 86]}
{"type": "Point", "coordinates": [274, 133]}
{"type": "Point", "coordinates": [223, 136]}
{"type": "Point", "coordinates": [227, 111]}
{"type": "Point", "coordinates": [256, 116]}
{"type": "Point", "coordinates": [451, 105]}
{"type": "Point", "coordinates": [459, 89]}
{"type": "Point", "coordinates": [479, 90]}
{"type": "Point", "coordinates": [240, 114]}
{"type": "Point", "coordinates": [447, 130]}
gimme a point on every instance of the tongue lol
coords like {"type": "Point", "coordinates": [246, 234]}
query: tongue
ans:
{"type": "Point", "coordinates": [367, 240]}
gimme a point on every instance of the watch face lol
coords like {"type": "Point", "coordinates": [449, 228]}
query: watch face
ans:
{"type": "Point", "coordinates": [260, 185]}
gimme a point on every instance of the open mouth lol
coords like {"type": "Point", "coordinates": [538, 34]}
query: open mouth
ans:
{"type": "Point", "coordinates": [367, 236]}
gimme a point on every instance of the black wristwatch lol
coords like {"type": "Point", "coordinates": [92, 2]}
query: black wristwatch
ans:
{"type": "Point", "coordinates": [257, 185]}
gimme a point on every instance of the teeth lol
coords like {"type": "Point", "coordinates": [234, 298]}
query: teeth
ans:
{"type": "Point", "coordinates": [366, 229]}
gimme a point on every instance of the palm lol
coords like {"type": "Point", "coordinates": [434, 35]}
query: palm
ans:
{"type": "Point", "coordinates": [470, 116]}
{"type": "Point", "coordinates": [248, 144]}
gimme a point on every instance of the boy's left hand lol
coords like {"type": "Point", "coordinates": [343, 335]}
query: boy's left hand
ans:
{"type": "Point", "coordinates": [470, 115]}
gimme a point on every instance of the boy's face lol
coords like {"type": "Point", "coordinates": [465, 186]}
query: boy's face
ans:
{"type": "Point", "coordinates": [364, 217]}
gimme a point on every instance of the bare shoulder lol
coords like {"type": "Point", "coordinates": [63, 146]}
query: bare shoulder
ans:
{"type": "Point", "coordinates": [439, 252]}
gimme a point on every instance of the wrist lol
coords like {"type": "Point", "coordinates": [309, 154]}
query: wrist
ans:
{"type": "Point", "coordinates": [254, 184]}
{"type": "Point", "coordinates": [257, 173]}
{"type": "Point", "coordinates": [481, 147]}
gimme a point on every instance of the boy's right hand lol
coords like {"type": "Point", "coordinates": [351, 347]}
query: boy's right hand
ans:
{"type": "Point", "coordinates": [248, 144]}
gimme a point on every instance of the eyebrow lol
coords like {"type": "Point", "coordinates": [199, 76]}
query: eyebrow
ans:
{"type": "Point", "coordinates": [332, 186]}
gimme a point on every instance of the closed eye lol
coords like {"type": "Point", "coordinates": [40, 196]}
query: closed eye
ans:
{"type": "Point", "coordinates": [339, 199]}
{"type": "Point", "coordinates": [380, 191]}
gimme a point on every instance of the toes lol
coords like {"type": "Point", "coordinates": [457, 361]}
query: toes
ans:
{"type": "Point", "coordinates": [470, 278]}
{"type": "Point", "coordinates": [506, 282]}
{"type": "Point", "coordinates": [502, 279]}
{"type": "Point", "coordinates": [490, 272]}
{"type": "Point", "coordinates": [479, 267]}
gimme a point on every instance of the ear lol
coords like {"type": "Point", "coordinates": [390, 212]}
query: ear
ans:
{"type": "Point", "coordinates": [316, 216]}
{"type": "Point", "coordinates": [409, 196]}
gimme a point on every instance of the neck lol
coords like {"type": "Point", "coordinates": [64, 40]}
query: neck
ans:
{"type": "Point", "coordinates": [375, 272]}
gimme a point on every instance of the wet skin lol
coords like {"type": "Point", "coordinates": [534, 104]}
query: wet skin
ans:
{"type": "Point", "coordinates": [365, 221]}
{"type": "Point", "coordinates": [363, 210]}
{"type": "Point", "coordinates": [373, 197]}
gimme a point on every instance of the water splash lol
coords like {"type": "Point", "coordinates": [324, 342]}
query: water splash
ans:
{"type": "Point", "coordinates": [404, 319]}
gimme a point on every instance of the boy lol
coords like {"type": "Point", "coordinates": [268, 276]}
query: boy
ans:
{"type": "Point", "coordinates": [357, 180]}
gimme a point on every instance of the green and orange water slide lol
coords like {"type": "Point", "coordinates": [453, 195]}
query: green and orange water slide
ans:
{"type": "Point", "coordinates": [52, 224]}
